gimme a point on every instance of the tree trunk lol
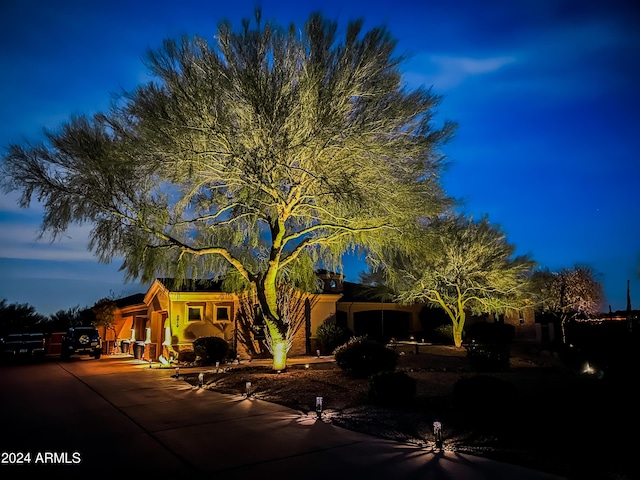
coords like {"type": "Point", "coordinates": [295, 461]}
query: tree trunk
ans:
{"type": "Point", "coordinates": [458, 327]}
{"type": "Point", "coordinates": [267, 297]}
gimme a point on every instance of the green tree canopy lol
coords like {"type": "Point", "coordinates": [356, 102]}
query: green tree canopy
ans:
{"type": "Point", "coordinates": [254, 159]}
{"type": "Point", "coordinates": [63, 319]}
{"type": "Point", "coordinates": [18, 317]}
{"type": "Point", "coordinates": [462, 266]}
{"type": "Point", "coordinates": [104, 311]}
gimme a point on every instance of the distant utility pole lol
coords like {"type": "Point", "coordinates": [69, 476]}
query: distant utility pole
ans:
{"type": "Point", "coordinates": [629, 319]}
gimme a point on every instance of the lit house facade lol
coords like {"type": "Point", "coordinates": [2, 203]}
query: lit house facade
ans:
{"type": "Point", "coordinates": [163, 322]}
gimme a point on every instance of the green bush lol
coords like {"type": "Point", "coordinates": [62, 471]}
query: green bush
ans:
{"type": "Point", "coordinates": [210, 349]}
{"type": "Point", "coordinates": [331, 336]}
{"type": "Point", "coordinates": [391, 388]}
{"type": "Point", "coordinates": [362, 357]}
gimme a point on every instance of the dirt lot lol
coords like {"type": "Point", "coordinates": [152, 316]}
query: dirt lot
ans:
{"type": "Point", "coordinates": [551, 417]}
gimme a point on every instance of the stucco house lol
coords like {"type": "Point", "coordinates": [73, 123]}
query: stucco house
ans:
{"type": "Point", "coordinates": [163, 322]}
{"type": "Point", "coordinates": [168, 318]}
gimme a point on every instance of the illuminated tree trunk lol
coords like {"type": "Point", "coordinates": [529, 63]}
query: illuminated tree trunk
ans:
{"type": "Point", "coordinates": [457, 316]}
{"type": "Point", "coordinates": [458, 327]}
{"type": "Point", "coordinates": [457, 334]}
{"type": "Point", "coordinates": [267, 294]}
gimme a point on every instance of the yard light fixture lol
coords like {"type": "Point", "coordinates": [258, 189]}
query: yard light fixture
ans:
{"type": "Point", "coordinates": [217, 366]}
{"type": "Point", "coordinates": [588, 369]}
{"type": "Point", "coordinates": [200, 379]}
{"type": "Point", "coordinates": [437, 433]}
{"type": "Point", "coordinates": [318, 353]}
{"type": "Point", "coordinates": [177, 372]}
{"type": "Point", "coordinates": [248, 389]}
{"type": "Point", "coordinates": [319, 406]}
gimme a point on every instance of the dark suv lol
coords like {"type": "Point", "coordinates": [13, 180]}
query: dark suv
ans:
{"type": "Point", "coordinates": [81, 340]}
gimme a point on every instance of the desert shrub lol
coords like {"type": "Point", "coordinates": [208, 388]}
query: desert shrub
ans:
{"type": "Point", "coordinates": [362, 356]}
{"type": "Point", "coordinates": [331, 336]}
{"type": "Point", "coordinates": [485, 401]}
{"type": "Point", "coordinates": [391, 388]}
{"type": "Point", "coordinates": [210, 349]}
{"type": "Point", "coordinates": [489, 345]}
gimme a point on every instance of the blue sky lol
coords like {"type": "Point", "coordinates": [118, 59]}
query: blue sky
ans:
{"type": "Point", "coordinates": [545, 93]}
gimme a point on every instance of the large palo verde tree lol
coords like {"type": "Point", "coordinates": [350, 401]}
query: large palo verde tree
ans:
{"type": "Point", "coordinates": [462, 266]}
{"type": "Point", "coordinates": [255, 158]}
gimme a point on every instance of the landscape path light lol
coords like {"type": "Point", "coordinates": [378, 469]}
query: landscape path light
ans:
{"type": "Point", "coordinates": [248, 389]}
{"type": "Point", "coordinates": [200, 379]}
{"type": "Point", "coordinates": [319, 406]}
{"type": "Point", "coordinates": [217, 366]}
{"type": "Point", "coordinates": [437, 433]}
{"type": "Point", "coordinates": [177, 372]}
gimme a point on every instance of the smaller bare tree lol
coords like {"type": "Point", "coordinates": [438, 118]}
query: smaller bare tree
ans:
{"type": "Point", "coordinates": [567, 294]}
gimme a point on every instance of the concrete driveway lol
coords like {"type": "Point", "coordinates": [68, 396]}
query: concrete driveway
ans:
{"type": "Point", "coordinates": [116, 416]}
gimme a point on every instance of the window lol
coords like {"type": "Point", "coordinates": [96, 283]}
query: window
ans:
{"type": "Point", "coordinates": [194, 313]}
{"type": "Point", "coordinates": [222, 314]}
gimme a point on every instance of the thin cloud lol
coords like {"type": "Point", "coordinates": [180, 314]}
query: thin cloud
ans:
{"type": "Point", "coordinates": [446, 72]}
{"type": "Point", "coordinates": [20, 241]}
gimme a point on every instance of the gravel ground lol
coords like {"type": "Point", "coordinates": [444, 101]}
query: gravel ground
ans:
{"type": "Point", "coordinates": [550, 420]}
